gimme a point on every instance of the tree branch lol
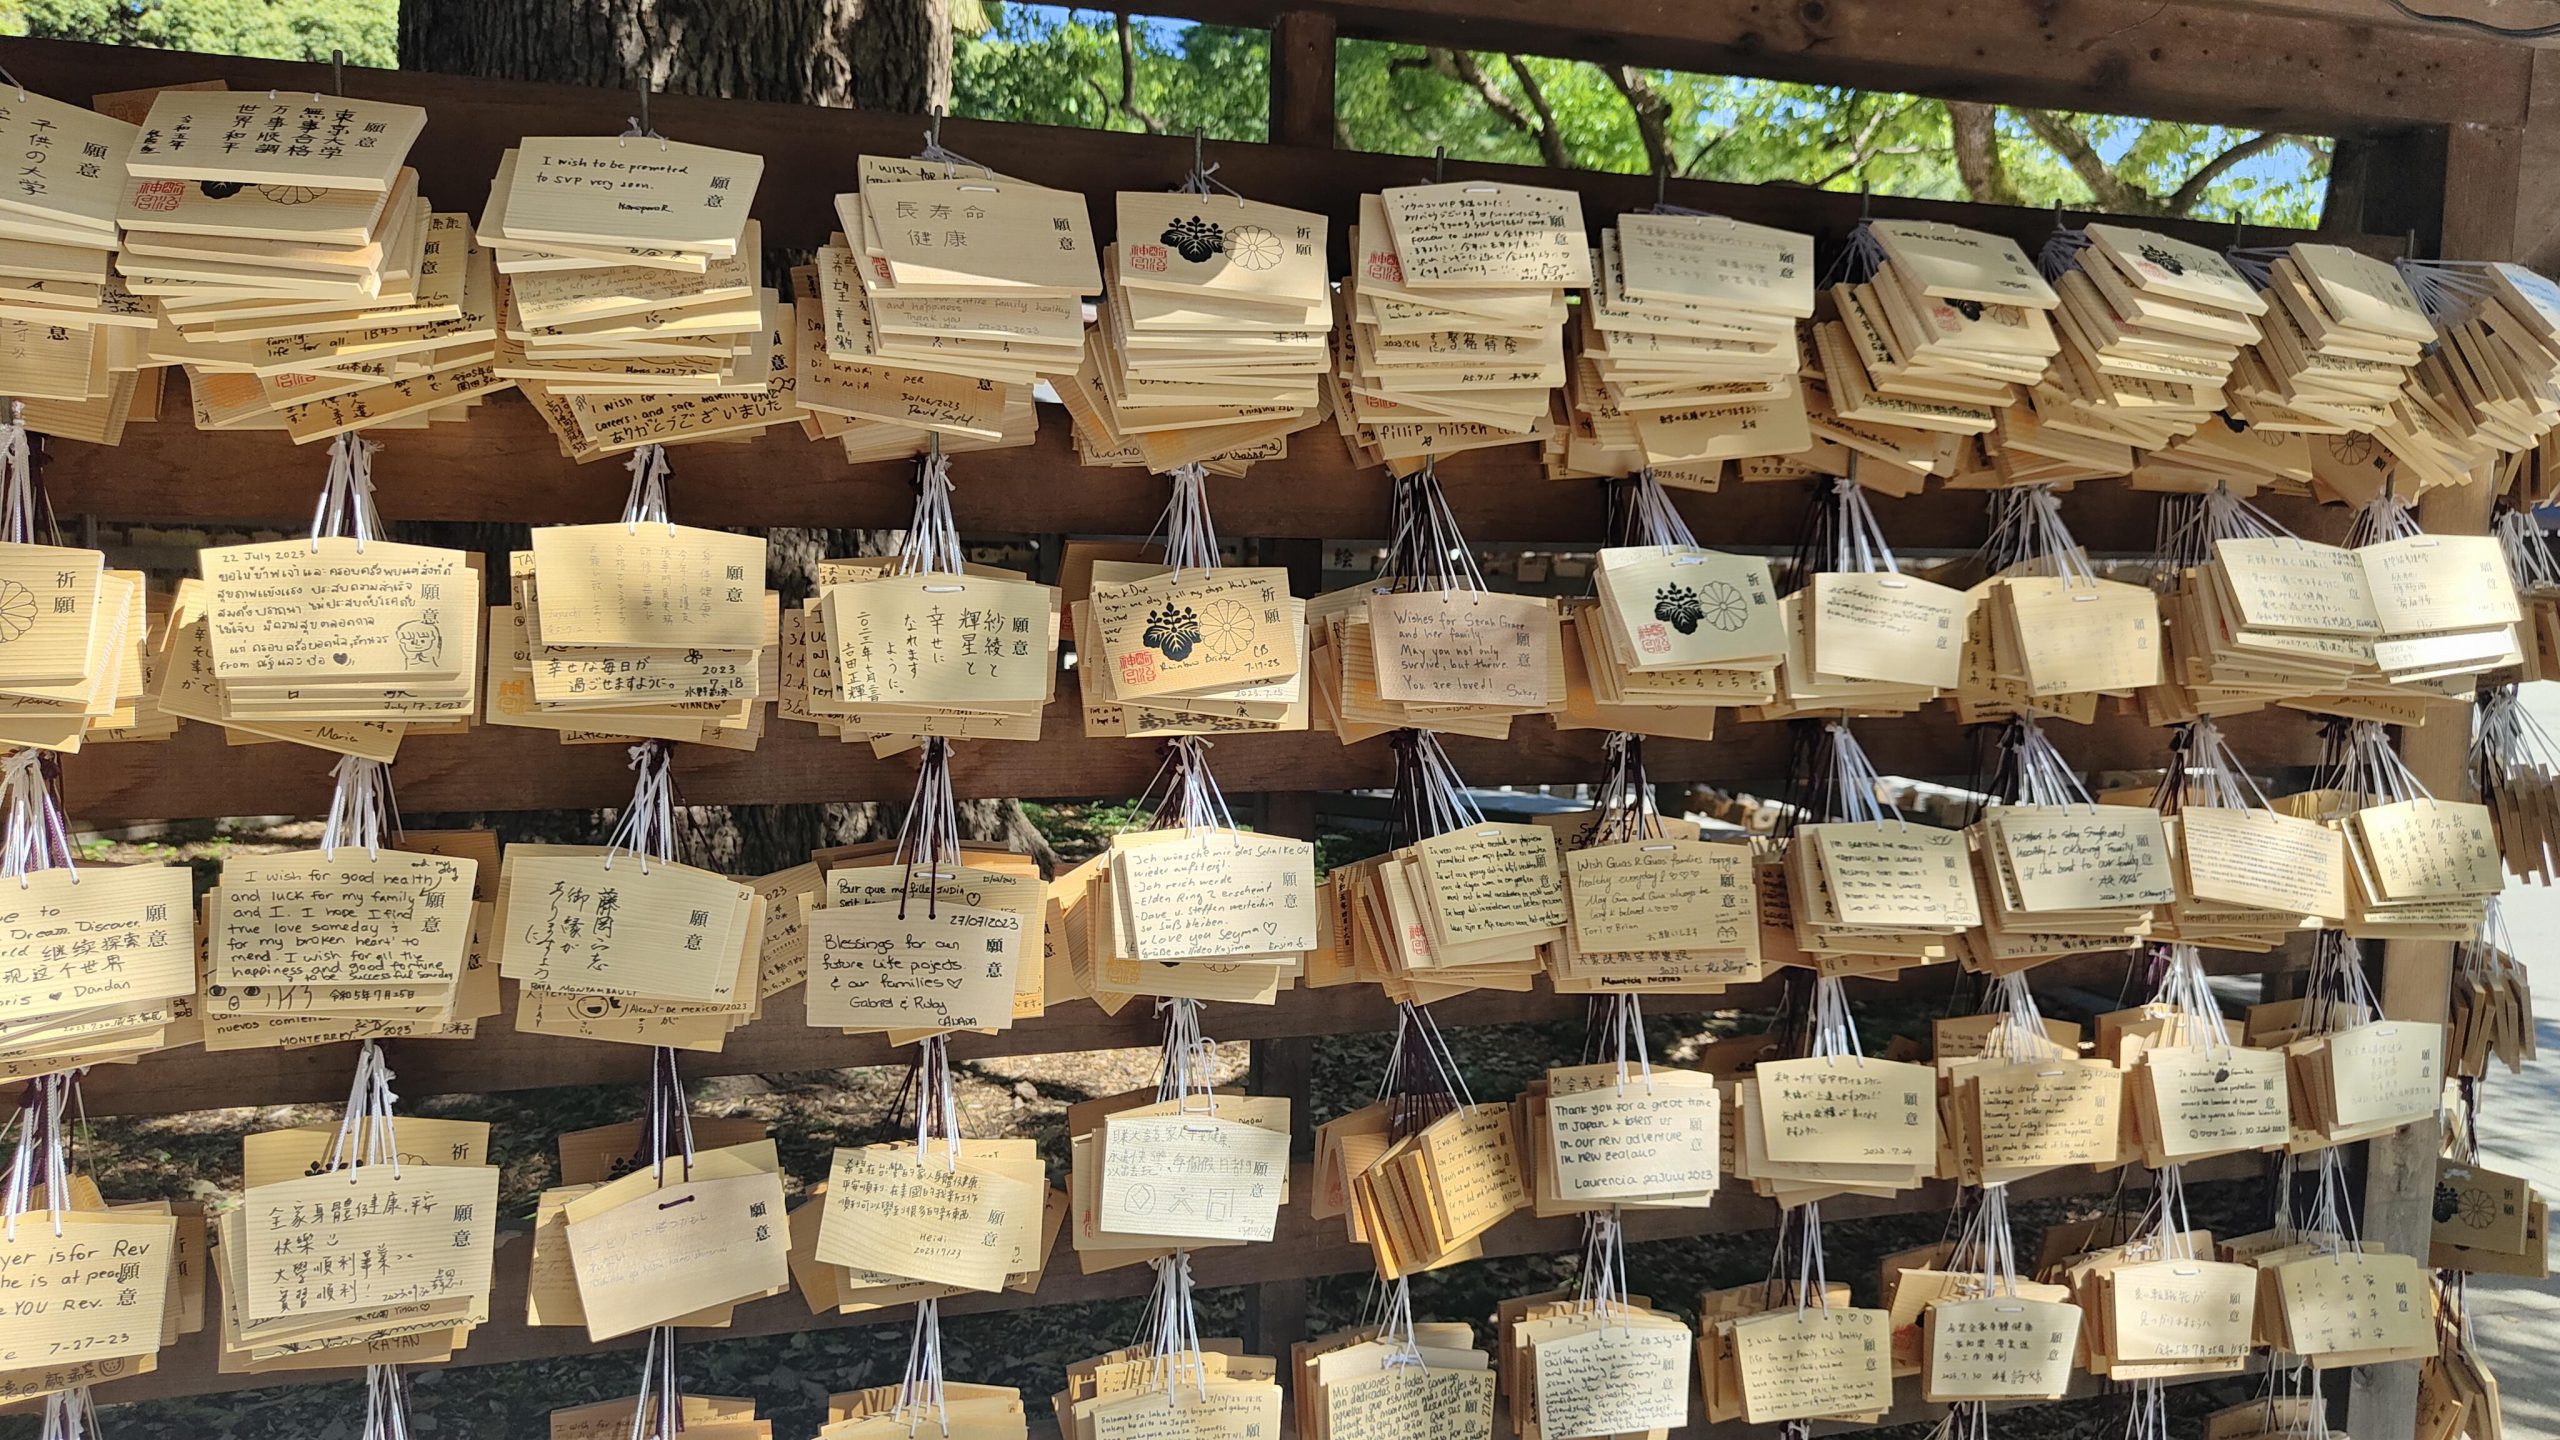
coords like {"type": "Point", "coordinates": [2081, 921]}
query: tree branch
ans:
{"type": "Point", "coordinates": [1460, 66]}
{"type": "Point", "coordinates": [2108, 189]}
{"type": "Point", "coordinates": [1129, 75]}
{"type": "Point", "coordinates": [1974, 128]}
{"type": "Point", "coordinates": [1863, 148]}
{"type": "Point", "coordinates": [2184, 198]}
{"type": "Point", "coordinates": [1550, 139]}
{"type": "Point", "coordinates": [1653, 116]}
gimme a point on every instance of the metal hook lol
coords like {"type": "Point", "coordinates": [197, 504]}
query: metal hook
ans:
{"type": "Point", "coordinates": [933, 135]}
{"type": "Point", "coordinates": [2239, 218]}
{"type": "Point", "coordinates": [1199, 143]}
{"type": "Point", "coordinates": [1439, 163]}
{"type": "Point", "coordinates": [1661, 188]}
{"type": "Point", "coordinates": [338, 72]}
{"type": "Point", "coordinates": [1866, 201]}
{"type": "Point", "coordinates": [2412, 252]}
{"type": "Point", "coordinates": [644, 105]}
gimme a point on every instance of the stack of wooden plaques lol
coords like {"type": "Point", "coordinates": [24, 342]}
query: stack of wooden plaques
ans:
{"type": "Point", "coordinates": [378, 631]}
{"type": "Point", "coordinates": [1199, 652]}
{"type": "Point", "coordinates": [608, 945]}
{"type": "Point", "coordinates": [948, 294]}
{"type": "Point", "coordinates": [1213, 1390]}
{"type": "Point", "coordinates": [2065, 880]}
{"type": "Point", "coordinates": [307, 947]}
{"type": "Point", "coordinates": [646, 631]}
{"type": "Point", "coordinates": [75, 359]}
{"type": "Point", "coordinates": [1932, 349]}
{"type": "Point", "coordinates": [2338, 344]}
{"type": "Point", "coordinates": [635, 305]}
{"type": "Point", "coordinates": [1686, 354]}
{"type": "Point", "coordinates": [1453, 319]}
{"type": "Point", "coordinates": [72, 635]}
{"type": "Point", "coordinates": [341, 1252]}
{"type": "Point", "coordinates": [885, 946]}
{"type": "Point", "coordinates": [886, 1412]}
{"type": "Point", "coordinates": [1213, 344]}
{"type": "Point", "coordinates": [1438, 1383]}
{"type": "Point", "coordinates": [1462, 661]}
{"type": "Point", "coordinates": [285, 243]}
{"type": "Point", "coordinates": [895, 658]}
{"type": "Point", "coordinates": [1676, 631]}
{"type": "Point", "coordinates": [2494, 372]}
{"type": "Point", "coordinates": [1835, 1125]}
{"type": "Point", "coordinates": [1574, 1367]}
{"type": "Point", "coordinates": [2151, 328]}
{"type": "Point", "coordinates": [106, 976]}
{"type": "Point", "coordinates": [1426, 1200]}
{"type": "Point", "coordinates": [685, 1242]}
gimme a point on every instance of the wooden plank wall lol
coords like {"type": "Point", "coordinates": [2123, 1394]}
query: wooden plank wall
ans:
{"type": "Point", "coordinates": [2461, 104]}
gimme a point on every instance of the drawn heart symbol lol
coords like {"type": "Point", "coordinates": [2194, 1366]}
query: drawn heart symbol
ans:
{"type": "Point", "coordinates": [342, 657]}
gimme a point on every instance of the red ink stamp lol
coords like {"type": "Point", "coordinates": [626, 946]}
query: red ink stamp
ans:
{"type": "Point", "coordinates": [1148, 257]}
{"type": "Point", "coordinates": [1138, 667]}
{"type": "Point", "coordinates": [1654, 638]}
{"type": "Point", "coordinates": [159, 194]}
{"type": "Point", "coordinates": [1383, 265]}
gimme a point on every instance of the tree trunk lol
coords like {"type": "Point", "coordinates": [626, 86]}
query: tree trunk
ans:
{"type": "Point", "coordinates": [874, 54]}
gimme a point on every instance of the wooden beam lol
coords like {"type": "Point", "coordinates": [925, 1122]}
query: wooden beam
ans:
{"type": "Point", "coordinates": [2482, 171]}
{"type": "Point", "coordinates": [1302, 78]}
{"type": "Point", "coordinates": [1301, 1247]}
{"type": "Point", "coordinates": [197, 775]}
{"type": "Point", "coordinates": [503, 466]}
{"type": "Point", "coordinates": [782, 1041]}
{"type": "Point", "coordinates": [2199, 60]}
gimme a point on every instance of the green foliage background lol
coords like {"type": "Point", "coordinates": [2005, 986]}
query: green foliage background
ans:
{"type": "Point", "coordinates": [1052, 66]}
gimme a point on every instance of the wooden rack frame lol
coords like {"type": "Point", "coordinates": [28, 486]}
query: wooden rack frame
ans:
{"type": "Point", "coordinates": [2431, 125]}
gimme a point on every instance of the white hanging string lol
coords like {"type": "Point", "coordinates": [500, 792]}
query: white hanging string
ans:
{"type": "Point", "coordinates": [646, 828]}
{"type": "Point", "coordinates": [2027, 533]}
{"type": "Point", "coordinates": [17, 481]}
{"type": "Point", "coordinates": [2194, 1010]}
{"type": "Point", "coordinates": [935, 152]}
{"type": "Point", "coordinates": [1860, 257]}
{"type": "Point", "coordinates": [1171, 1330]}
{"type": "Point", "coordinates": [1986, 1248]}
{"type": "Point", "coordinates": [647, 501]}
{"type": "Point", "coordinates": [1858, 545]}
{"type": "Point", "coordinates": [2218, 514]}
{"type": "Point", "coordinates": [2448, 291]}
{"type": "Point", "coordinates": [346, 503]}
{"type": "Point", "coordinates": [386, 1403]}
{"type": "Point", "coordinates": [1203, 179]}
{"type": "Point", "coordinates": [2020, 1037]}
{"type": "Point", "coordinates": [36, 837]}
{"type": "Point", "coordinates": [2210, 776]}
{"type": "Point", "coordinates": [2368, 765]}
{"type": "Point", "coordinates": [368, 1132]}
{"type": "Point", "coordinates": [72, 1415]}
{"type": "Point", "coordinates": [43, 1153]}
{"type": "Point", "coordinates": [2060, 253]}
{"type": "Point", "coordinates": [2532, 556]}
{"type": "Point", "coordinates": [931, 545]}
{"type": "Point", "coordinates": [2044, 776]}
{"type": "Point", "coordinates": [1425, 548]}
{"type": "Point", "coordinates": [1653, 518]}
{"type": "Point", "coordinates": [1190, 537]}
{"type": "Point", "coordinates": [1860, 790]}
{"type": "Point", "coordinates": [2383, 518]}
{"type": "Point", "coordinates": [359, 807]}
